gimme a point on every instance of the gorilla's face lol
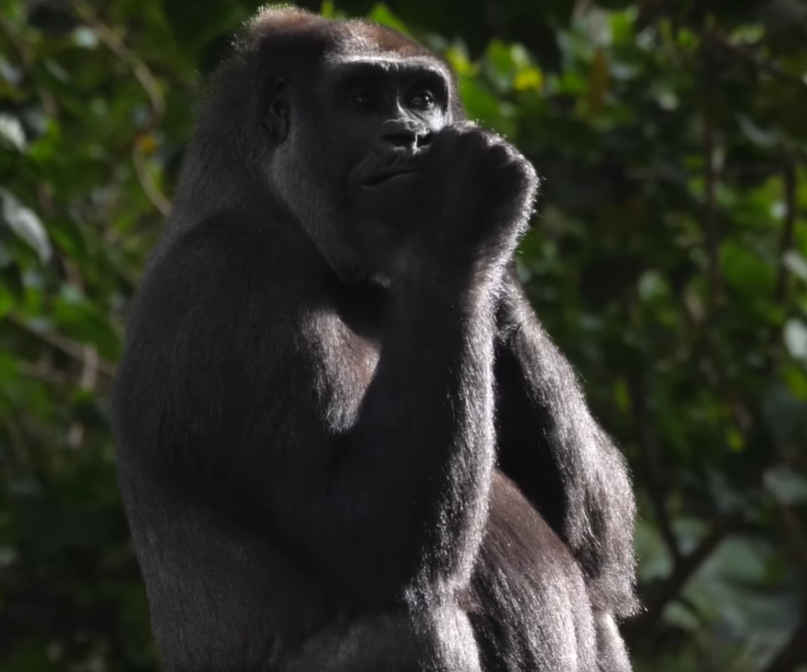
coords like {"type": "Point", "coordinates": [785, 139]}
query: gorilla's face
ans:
{"type": "Point", "coordinates": [351, 150]}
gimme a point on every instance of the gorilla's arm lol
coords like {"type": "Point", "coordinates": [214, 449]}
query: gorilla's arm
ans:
{"type": "Point", "coordinates": [559, 456]}
{"type": "Point", "coordinates": [242, 386]}
{"type": "Point", "coordinates": [409, 478]}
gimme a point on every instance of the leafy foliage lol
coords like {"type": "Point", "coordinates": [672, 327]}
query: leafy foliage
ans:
{"type": "Point", "coordinates": [668, 259]}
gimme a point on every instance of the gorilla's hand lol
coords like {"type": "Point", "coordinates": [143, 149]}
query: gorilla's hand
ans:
{"type": "Point", "coordinates": [474, 196]}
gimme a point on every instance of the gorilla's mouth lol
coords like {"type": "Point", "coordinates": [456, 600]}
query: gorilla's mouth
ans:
{"type": "Point", "coordinates": [384, 167]}
{"type": "Point", "coordinates": [382, 178]}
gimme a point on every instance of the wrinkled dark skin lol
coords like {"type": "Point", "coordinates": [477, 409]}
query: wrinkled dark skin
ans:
{"type": "Point", "coordinates": [345, 442]}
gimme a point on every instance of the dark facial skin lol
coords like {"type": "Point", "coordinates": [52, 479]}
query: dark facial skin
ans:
{"type": "Point", "coordinates": [387, 112]}
{"type": "Point", "coordinates": [377, 118]}
{"type": "Point", "coordinates": [378, 114]}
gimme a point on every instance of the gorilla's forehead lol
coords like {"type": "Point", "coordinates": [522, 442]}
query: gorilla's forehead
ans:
{"type": "Point", "coordinates": [381, 59]}
{"type": "Point", "coordinates": [359, 36]}
{"type": "Point", "coordinates": [357, 40]}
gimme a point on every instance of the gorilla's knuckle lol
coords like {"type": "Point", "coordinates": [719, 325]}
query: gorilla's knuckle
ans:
{"type": "Point", "coordinates": [465, 127]}
{"type": "Point", "coordinates": [523, 169]}
{"type": "Point", "coordinates": [501, 155]}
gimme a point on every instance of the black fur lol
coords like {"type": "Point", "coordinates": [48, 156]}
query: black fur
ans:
{"type": "Point", "coordinates": [325, 360]}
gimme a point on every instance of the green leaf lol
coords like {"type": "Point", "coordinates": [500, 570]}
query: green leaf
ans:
{"type": "Point", "coordinates": [747, 272]}
{"type": "Point", "coordinates": [6, 301]}
{"type": "Point", "coordinates": [597, 83]}
{"type": "Point", "coordinates": [483, 106]}
{"type": "Point", "coordinates": [382, 14]}
{"type": "Point", "coordinates": [795, 337]}
{"type": "Point", "coordinates": [795, 263]}
{"type": "Point", "coordinates": [789, 487]}
{"type": "Point", "coordinates": [26, 224]}
{"type": "Point", "coordinates": [11, 131]}
{"type": "Point", "coordinates": [328, 9]}
{"type": "Point", "coordinates": [759, 136]}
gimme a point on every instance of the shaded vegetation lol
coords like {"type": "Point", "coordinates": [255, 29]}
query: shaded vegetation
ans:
{"type": "Point", "coordinates": [668, 260]}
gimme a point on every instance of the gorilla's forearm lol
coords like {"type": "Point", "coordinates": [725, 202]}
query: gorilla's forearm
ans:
{"type": "Point", "coordinates": [562, 460]}
{"type": "Point", "coordinates": [431, 399]}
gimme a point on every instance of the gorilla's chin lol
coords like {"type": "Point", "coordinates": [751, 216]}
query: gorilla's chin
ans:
{"type": "Point", "coordinates": [387, 199]}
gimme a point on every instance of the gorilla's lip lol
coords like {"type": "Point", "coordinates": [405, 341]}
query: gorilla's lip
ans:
{"type": "Point", "coordinates": [390, 165]}
{"type": "Point", "coordinates": [381, 178]}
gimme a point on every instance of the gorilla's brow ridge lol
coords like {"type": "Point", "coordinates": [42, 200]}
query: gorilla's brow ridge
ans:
{"type": "Point", "coordinates": [422, 61]}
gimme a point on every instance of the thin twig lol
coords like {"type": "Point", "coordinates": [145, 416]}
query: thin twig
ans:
{"type": "Point", "coordinates": [153, 193]}
{"type": "Point", "coordinates": [64, 345]}
{"type": "Point", "coordinates": [89, 372]}
{"type": "Point", "coordinates": [794, 534]}
{"type": "Point", "coordinates": [128, 57]}
{"type": "Point", "coordinates": [789, 231]}
{"type": "Point", "coordinates": [580, 8]}
{"type": "Point", "coordinates": [710, 178]}
{"type": "Point", "coordinates": [793, 653]}
{"type": "Point", "coordinates": [137, 66]}
{"type": "Point", "coordinates": [743, 53]}
{"type": "Point", "coordinates": [27, 62]}
{"type": "Point", "coordinates": [648, 450]}
{"type": "Point", "coordinates": [671, 587]}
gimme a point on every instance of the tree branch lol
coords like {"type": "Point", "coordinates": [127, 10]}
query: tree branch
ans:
{"type": "Point", "coordinates": [793, 653]}
{"type": "Point", "coordinates": [129, 58]}
{"type": "Point", "coordinates": [26, 59]}
{"type": "Point", "coordinates": [656, 488]}
{"type": "Point", "coordinates": [153, 193]}
{"type": "Point", "coordinates": [710, 180]}
{"type": "Point", "coordinates": [72, 349]}
{"type": "Point", "coordinates": [745, 54]}
{"type": "Point", "coordinates": [638, 629]}
{"type": "Point", "coordinates": [141, 72]}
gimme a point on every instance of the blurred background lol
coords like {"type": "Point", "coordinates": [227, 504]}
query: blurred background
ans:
{"type": "Point", "coordinates": [668, 260]}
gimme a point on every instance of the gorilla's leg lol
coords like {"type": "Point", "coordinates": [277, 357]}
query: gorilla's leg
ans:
{"type": "Point", "coordinates": [532, 611]}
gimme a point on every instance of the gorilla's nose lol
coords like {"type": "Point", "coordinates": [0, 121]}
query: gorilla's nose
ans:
{"type": "Point", "coordinates": [402, 135]}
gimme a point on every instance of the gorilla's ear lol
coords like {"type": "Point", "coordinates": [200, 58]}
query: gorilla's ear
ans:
{"type": "Point", "coordinates": [277, 111]}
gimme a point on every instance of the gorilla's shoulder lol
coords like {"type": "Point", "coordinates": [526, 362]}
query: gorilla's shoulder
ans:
{"type": "Point", "coordinates": [232, 261]}
{"type": "Point", "coordinates": [230, 244]}
{"type": "Point", "coordinates": [216, 236]}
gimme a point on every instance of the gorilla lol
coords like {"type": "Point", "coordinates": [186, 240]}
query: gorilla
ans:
{"type": "Point", "coordinates": [345, 442]}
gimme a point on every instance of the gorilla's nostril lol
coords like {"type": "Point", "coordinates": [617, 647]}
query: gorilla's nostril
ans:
{"type": "Point", "coordinates": [425, 140]}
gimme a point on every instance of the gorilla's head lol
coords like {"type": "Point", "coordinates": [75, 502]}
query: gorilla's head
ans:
{"type": "Point", "coordinates": [330, 119]}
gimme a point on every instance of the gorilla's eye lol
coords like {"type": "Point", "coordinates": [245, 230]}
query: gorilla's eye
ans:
{"type": "Point", "coordinates": [360, 98]}
{"type": "Point", "coordinates": [421, 100]}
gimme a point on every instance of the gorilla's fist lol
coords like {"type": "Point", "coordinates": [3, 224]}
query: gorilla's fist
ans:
{"type": "Point", "coordinates": [474, 196]}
